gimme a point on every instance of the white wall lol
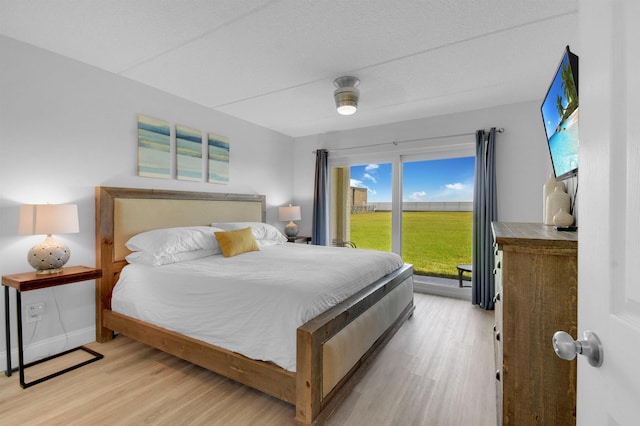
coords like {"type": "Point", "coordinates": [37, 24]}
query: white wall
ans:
{"type": "Point", "coordinates": [522, 157]}
{"type": "Point", "coordinates": [65, 128]}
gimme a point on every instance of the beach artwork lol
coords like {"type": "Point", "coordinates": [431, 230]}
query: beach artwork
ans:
{"type": "Point", "coordinates": [218, 159]}
{"type": "Point", "coordinates": [188, 153]}
{"type": "Point", "coordinates": [154, 144]}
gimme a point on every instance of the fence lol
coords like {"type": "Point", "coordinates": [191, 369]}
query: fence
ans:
{"type": "Point", "coordinates": [412, 206]}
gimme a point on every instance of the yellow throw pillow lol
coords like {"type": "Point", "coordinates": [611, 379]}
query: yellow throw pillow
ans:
{"type": "Point", "coordinates": [236, 242]}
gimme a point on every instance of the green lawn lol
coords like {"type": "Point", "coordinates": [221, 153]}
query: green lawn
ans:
{"type": "Point", "coordinates": [434, 242]}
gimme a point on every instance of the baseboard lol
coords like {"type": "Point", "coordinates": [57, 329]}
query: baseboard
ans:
{"type": "Point", "coordinates": [44, 348]}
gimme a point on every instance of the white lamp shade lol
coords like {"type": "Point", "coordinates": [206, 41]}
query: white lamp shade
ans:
{"type": "Point", "coordinates": [289, 213]}
{"type": "Point", "coordinates": [36, 219]}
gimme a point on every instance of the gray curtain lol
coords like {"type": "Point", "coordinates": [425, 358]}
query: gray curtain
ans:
{"type": "Point", "coordinates": [485, 211]}
{"type": "Point", "coordinates": [320, 227]}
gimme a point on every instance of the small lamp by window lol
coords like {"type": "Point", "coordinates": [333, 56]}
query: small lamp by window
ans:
{"type": "Point", "coordinates": [49, 256]}
{"type": "Point", "coordinates": [290, 214]}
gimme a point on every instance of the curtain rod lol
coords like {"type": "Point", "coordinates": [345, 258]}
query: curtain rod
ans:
{"type": "Point", "coordinates": [396, 143]}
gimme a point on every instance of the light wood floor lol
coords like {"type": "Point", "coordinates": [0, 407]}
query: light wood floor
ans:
{"type": "Point", "coordinates": [437, 370]}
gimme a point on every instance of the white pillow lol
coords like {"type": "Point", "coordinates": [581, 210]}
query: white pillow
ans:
{"type": "Point", "coordinates": [264, 234]}
{"type": "Point", "coordinates": [145, 258]}
{"type": "Point", "coordinates": [161, 242]}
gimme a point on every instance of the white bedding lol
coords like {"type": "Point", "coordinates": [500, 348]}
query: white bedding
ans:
{"type": "Point", "coordinates": [253, 303]}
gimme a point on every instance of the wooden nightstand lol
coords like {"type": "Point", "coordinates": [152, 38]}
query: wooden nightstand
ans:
{"type": "Point", "coordinates": [32, 281]}
{"type": "Point", "coordinates": [302, 238]}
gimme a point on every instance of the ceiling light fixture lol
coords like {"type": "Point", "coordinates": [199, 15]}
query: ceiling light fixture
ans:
{"type": "Point", "coordinates": [346, 94]}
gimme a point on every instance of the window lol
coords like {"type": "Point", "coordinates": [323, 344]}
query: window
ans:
{"type": "Point", "coordinates": [362, 200]}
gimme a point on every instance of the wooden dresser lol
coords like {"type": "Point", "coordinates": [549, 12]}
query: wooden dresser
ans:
{"type": "Point", "coordinates": [536, 295]}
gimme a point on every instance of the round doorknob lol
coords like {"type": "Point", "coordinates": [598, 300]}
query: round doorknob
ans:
{"type": "Point", "coordinates": [567, 348]}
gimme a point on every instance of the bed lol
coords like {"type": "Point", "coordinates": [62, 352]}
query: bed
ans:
{"type": "Point", "coordinates": [332, 350]}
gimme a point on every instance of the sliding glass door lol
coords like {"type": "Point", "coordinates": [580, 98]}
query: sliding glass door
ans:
{"type": "Point", "coordinates": [419, 206]}
{"type": "Point", "coordinates": [437, 205]}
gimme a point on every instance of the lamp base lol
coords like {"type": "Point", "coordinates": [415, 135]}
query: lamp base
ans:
{"type": "Point", "coordinates": [49, 271]}
{"type": "Point", "coordinates": [49, 256]}
{"type": "Point", "coordinates": [291, 230]}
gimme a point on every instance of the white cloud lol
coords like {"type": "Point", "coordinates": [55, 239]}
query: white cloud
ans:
{"type": "Point", "coordinates": [455, 186]}
{"type": "Point", "coordinates": [369, 177]}
{"type": "Point", "coordinates": [372, 191]}
{"type": "Point", "coordinates": [371, 167]}
{"type": "Point", "coordinates": [417, 196]}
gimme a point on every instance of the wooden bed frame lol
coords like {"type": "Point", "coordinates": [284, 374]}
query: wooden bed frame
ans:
{"type": "Point", "coordinates": [117, 220]}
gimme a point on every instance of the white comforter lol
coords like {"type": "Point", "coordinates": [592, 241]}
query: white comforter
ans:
{"type": "Point", "coordinates": [252, 303]}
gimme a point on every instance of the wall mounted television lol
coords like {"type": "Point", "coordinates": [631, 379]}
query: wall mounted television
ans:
{"type": "Point", "coordinates": [560, 117]}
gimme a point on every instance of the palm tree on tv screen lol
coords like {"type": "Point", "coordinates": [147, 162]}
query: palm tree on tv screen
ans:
{"type": "Point", "coordinates": [570, 92]}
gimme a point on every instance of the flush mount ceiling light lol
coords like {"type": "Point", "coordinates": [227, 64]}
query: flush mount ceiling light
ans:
{"type": "Point", "coordinates": [346, 94]}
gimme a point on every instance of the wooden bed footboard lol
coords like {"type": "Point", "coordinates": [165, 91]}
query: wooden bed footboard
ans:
{"type": "Point", "coordinates": [312, 405]}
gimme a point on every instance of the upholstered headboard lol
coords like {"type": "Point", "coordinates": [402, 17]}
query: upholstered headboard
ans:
{"type": "Point", "coordinates": [134, 215]}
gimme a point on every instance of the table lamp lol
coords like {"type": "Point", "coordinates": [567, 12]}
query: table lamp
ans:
{"type": "Point", "coordinates": [50, 255]}
{"type": "Point", "coordinates": [290, 214]}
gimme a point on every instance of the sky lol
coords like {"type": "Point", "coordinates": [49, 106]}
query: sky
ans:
{"type": "Point", "coordinates": [434, 180]}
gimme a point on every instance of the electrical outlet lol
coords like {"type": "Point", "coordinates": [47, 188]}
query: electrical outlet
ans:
{"type": "Point", "coordinates": [35, 311]}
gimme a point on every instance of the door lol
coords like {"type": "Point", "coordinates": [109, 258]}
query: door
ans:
{"type": "Point", "coordinates": [609, 210]}
{"type": "Point", "coordinates": [437, 209]}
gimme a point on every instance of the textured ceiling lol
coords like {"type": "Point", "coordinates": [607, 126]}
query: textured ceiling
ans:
{"type": "Point", "coordinates": [273, 62]}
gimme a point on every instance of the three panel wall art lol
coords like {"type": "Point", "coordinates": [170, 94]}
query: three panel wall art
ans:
{"type": "Point", "coordinates": [155, 153]}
